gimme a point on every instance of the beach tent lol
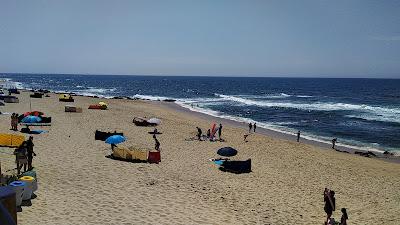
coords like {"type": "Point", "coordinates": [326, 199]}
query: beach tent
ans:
{"type": "Point", "coordinates": [11, 99]}
{"type": "Point", "coordinates": [154, 121]}
{"type": "Point", "coordinates": [13, 91]}
{"type": "Point", "coordinates": [139, 121]}
{"type": "Point", "coordinates": [33, 113]}
{"type": "Point", "coordinates": [11, 140]}
{"type": "Point", "coordinates": [236, 166]}
{"type": "Point", "coordinates": [101, 105]}
{"type": "Point", "coordinates": [71, 108]}
{"type": "Point", "coordinates": [36, 95]}
{"type": "Point", "coordinates": [65, 98]}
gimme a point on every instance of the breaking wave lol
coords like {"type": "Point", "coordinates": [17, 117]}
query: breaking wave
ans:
{"type": "Point", "coordinates": [384, 114]}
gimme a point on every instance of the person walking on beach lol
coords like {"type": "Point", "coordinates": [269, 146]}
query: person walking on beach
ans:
{"type": "Point", "coordinates": [30, 152]}
{"type": "Point", "coordinates": [220, 131]}
{"type": "Point", "coordinates": [329, 199]}
{"type": "Point", "coordinates": [250, 126]}
{"type": "Point", "coordinates": [157, 144]}
{"type": "Point", "coordinates": [334, 142]}
{"type": "Point", "coordinates": [254, 127]}
{"type": "Point", "coordinates": [199, 132]}
{"type": "Point", "coordinates": [298, 136]}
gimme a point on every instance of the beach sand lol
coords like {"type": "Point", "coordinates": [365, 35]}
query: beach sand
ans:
{"type": "Point", "coordinates": [79, 185]}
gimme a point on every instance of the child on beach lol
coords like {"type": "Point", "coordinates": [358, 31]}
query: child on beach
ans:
{"type": "Point", "coordinates": [343, 220]}
{"type": "Point", "coordinates": [199, 132]}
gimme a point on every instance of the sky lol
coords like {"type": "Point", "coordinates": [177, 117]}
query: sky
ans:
{"type": "Point", "coordinates": [343, 38]}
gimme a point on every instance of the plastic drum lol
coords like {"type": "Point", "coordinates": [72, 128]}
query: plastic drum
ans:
{"type": "Point", "coordinates": [29, 187]}
{"type": "Point", "coordinates": [19, 188]}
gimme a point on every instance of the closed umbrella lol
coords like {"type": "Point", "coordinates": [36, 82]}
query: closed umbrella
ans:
{"type": "Point", "coordinates": [31, 119]}
{"type": "Point", "coordinates": [115, 139]}
{"type": "Point", "coordinates": [227, 151]}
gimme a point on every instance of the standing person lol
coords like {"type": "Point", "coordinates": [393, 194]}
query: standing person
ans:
{"type": "Point", "coordinates": [199, 132]}
{"type": "Point", "coordinates": [255, 126]}
{"type": "Point", "coordinates": [329, 199]}
{"type": "Point", "coordinates": [157, 144]}
{"type": "Point", "coordinates": [30, 152]}
{"type": "Point", "coordinates": [298, 136]}
{"type": "Point", "coordinates": [12, 121]}
{"type": "Point", "coordinates": [16, 121]}
{"type": "Point", "coordinates": [220, 131]}
{"type": "Point", "coordinates": [250, 126]}
{"type": "Point", "coordinates": [20, 157]}
{"type": "Point", "coordinates": [334, 142]}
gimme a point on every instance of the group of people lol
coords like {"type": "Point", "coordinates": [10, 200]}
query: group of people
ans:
{"type": "Point", "coordinates": [210, 136]}
{"type": "Point", "coordinates": [24, 155]}
{"type": "Point", "coordinates": [333, 140]}
{"type": "Point", "coordinates": [14, 121]}
{"type": "Point", "coordinates": [330, 206]}
{"type": "Point", "coordinates": [252, 127]}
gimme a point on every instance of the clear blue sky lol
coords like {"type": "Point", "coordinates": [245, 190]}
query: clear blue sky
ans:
{"type": "Point", "coordinates": [348, 38]}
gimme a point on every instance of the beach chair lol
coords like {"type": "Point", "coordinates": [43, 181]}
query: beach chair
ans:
{"type": "Point", "coordinates": [139, 155]}
{"type": "Point", "coordinates": [154, 157]}
{"type": "Point", "coordinates": [119, 153]}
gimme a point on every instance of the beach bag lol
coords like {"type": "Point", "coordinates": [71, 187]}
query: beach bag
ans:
{"type": "Point", "coordinates": [154, 157]}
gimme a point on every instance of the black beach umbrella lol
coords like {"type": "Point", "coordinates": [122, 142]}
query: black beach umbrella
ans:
{"type": "Point", "coordinates": [227, 151]}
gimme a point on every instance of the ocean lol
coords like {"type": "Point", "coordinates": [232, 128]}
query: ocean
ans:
{"type": "Point", "coordinates": [360, 113]}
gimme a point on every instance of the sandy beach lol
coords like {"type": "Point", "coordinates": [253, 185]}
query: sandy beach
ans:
{"type": "Point", "coordinates": [79, 185]}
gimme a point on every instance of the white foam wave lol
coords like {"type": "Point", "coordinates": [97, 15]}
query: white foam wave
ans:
{"type": "Point", "coordinates": [281, 129]}
{"type": "Point", "coordinates": [389, 114]}
{"type": "Point", "coordinates": [150, 97]}
{"type": "Point", "coordinates": [100, 90]}
{"type": "Point", "coordinates": [304, 96]}
{"type": "Point", "coordinates": [265, 96]}
{"type": "Point", "coordinates": [9, 83]}
{"type": "Point", "coordinates": [387, 118]}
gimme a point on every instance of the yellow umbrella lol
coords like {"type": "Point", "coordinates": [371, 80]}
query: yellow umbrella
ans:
{"type": "Point", "coordinates": [102, 103]}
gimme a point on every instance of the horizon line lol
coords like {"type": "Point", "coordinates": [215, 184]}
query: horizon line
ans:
{"type": "Point", "coordinates": [169, 75]}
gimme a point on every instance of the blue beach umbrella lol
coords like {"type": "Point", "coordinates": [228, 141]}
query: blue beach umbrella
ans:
{"type": "Point", "coordinates": [115, 139]}
{"type": "Point", "coordinates": [227, 151]}
{"type": "Point", "coordinates": [31, 119]}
